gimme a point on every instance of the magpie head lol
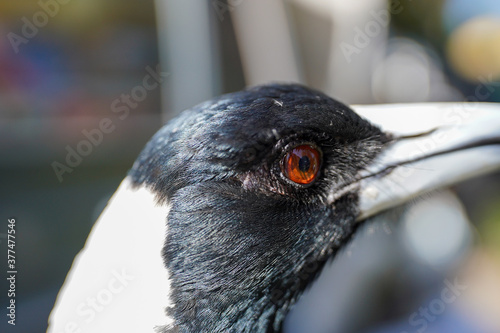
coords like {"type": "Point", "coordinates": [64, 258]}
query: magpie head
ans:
{"type": "Point", "coordinates": [249, 178]}
{"type": "Point", "coordinates": [232, 208]}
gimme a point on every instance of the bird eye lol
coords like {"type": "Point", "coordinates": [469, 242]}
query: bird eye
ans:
{"type": "Point", "coordinates": [301, 164]}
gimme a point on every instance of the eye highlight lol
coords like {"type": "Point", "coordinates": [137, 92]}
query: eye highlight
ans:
{"type": "Point", "coordinates": [301, 164]}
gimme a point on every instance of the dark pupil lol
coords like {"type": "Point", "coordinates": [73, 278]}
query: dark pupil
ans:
{"type": "Point", "coordinates": [304, 163]}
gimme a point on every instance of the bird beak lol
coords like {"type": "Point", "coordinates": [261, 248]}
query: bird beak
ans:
{"type": "Point", "coordinates": [433, 146]}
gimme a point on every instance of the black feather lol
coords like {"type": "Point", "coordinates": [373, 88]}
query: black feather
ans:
{"type": "Point", "coordinates": [244, 242]}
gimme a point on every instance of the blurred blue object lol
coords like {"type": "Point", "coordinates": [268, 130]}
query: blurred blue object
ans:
{"type": "Point", "coordinates": [456, 12]}
{"type": "Point", "coordinates": [451, 321]}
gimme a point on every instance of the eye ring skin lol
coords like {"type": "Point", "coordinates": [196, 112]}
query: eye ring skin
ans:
{"type": "Point", "coordinates": [312, 150]}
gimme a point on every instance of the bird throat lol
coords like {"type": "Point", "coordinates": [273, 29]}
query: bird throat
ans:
{"type": "Point", "coordinates": [255, 292]}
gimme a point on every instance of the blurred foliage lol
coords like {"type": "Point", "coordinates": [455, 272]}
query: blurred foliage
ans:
{"type": "Point", "coordinates": [421, 18]}
{"type": "Point", "coordinates": [489, 226]}
{"type": "Point", "coordinates": [89, 13]}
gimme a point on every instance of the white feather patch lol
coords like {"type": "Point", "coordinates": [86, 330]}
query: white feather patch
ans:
{"type": "Point", "coordinates": [118, 282]}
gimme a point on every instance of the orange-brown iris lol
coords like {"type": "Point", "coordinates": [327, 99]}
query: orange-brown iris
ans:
{"type": "Point", "coordinates": [301, 164]}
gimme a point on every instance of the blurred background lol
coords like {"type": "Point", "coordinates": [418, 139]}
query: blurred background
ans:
{"type": "Point", "coordinates": [71, 69]}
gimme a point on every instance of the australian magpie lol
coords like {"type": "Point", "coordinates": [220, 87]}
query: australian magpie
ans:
{"type": "Point", "coordinates": [233, 208]}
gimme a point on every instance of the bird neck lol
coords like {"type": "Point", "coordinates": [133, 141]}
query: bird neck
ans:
{"type": "Point", "coordinates": [238, 263]}
{"type": "Point", "coordinates": [238, 310]}
{"type": "Point", "coordinates": [243, 305]}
